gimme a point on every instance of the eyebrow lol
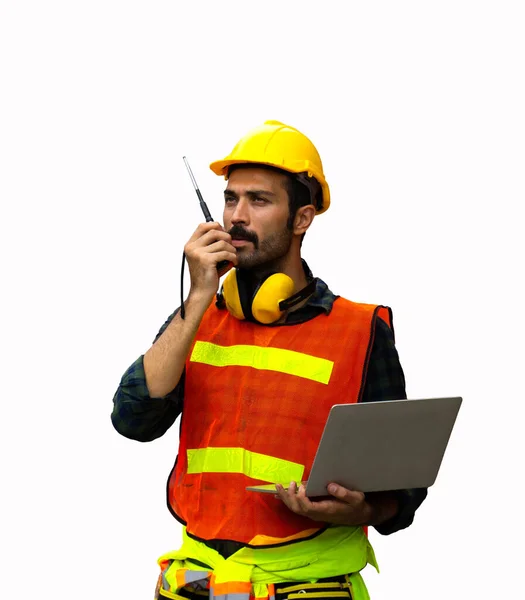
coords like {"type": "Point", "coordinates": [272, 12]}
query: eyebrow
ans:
{"type": "Point", "coordinates": [251, 193]}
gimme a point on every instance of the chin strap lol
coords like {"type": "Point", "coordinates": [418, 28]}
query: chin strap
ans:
{"type": "Point", "coordinates": [314, 187]}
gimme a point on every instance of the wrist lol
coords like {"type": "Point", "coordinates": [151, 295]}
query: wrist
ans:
{"type": "Point", "coordinates": [199, 300]}
{"type": "Point", "coordinates": [381, 507]}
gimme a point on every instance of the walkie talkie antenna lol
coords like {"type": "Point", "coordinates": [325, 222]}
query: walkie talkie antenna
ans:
{"type": "Point", "coordinates": [222, 264]}
{"type": "Point", "coordinates": [204, 208]}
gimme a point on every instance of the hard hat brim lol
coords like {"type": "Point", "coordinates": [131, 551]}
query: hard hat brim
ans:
{"type": "Point", "coordinates": [220, 167]}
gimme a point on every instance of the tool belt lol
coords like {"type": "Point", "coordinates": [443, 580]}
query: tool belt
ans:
{"type": "Point", "coordinates": [329, 588]}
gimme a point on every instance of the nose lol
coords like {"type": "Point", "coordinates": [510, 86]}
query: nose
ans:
{"type": "Point", "coordinates": [241, 213]}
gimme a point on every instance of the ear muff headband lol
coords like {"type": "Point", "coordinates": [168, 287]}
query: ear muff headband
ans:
{"type": "Point", "coordinates": [299, 296]}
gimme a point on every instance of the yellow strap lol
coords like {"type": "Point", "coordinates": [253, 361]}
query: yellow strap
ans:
{"type": "Point", "coordinates": [269, 359]}
{"type": "Point", "coordinates": [239, 460]}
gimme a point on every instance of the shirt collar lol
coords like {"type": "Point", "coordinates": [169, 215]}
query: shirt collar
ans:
{"type": "Point", "coordinates": [322, 298]}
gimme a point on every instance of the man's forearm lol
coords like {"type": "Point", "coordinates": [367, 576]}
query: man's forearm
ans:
{"type": "Point", "coordinates": [164, 361]}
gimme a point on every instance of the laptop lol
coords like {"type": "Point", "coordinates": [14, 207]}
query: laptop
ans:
{"type": "Point", "coordinates": [379, 446]}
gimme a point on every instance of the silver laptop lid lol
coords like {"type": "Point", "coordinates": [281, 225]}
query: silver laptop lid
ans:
{"type": "Point", "coordinates": [376, 446]}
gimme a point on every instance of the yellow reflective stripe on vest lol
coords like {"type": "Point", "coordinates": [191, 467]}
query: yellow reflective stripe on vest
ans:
{"type": "Point", "coordinates": [269, 359]}
{"type": "Point", "coordinates": [239, 460]}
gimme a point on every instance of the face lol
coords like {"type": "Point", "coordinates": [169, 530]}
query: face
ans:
{"type": "Point", "coordinates": [255, 215]}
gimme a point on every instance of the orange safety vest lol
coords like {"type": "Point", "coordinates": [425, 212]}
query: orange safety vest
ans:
{"type": "Point", "coordinates": [256, 401]}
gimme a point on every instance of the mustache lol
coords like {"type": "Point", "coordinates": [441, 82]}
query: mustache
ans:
{"type": "Point", "coordinates": [238, 232]}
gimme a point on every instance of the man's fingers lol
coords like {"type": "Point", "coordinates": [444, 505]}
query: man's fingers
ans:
{"type": "Point", "coordinates": [288, 496]}
{"type": "Point", "coordinates": [210, 237]}
{"type": "Point", "coordinates": [216, 246]}
{"type": "Point", "coordinates": [303, 501]}
{"type": "Point", "coordinates": [295, 498]}
{"type": "Point", "coordinates": [346, 507]}
{"type": "Point", "coordinates": [213, 246]}
{"type": "Point", "coordinates": [341, 493]}
{"type": "Point", "coordinates": [291, 497]}
{"type": "Point", "coordinates": [204, 228]}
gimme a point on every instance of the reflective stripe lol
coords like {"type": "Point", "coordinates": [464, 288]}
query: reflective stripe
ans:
{"type": "Point", "coordinates": [186, 576]}
{"type": "Point", "coordinates": [269, 359]}
{"type": "Point", "coordinates": [165, 584]}
{"type": "Point", "coordinates": [239, 460]}
{"type": "Point", "coordinates": [196, 576]}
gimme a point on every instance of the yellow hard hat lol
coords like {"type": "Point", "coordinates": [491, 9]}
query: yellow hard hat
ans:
{"type": "Point", "coordinates": [281, 146]}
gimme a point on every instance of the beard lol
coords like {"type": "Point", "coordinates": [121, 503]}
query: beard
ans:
{"type": "Point", "coordinates": [266, 255]}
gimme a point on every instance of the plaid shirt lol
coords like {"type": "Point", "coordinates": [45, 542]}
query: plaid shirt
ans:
{"type": "Point", "coordinates": [139, 417]}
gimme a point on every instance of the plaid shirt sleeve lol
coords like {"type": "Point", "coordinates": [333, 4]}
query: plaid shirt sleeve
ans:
{"type": "Point", "coordinates": [135, 414]}
{"type": "Point", "coordinates": [385, 381]}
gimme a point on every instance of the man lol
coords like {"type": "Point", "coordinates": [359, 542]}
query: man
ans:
{"type": "Point", "coordinates": [255, 374]}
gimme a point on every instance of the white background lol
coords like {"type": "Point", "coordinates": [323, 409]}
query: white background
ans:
{"type": "Point", "coordinates": [417, 109]}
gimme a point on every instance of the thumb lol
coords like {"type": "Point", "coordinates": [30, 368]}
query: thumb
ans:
{"type": "Point", "coordinates": [338, 491]}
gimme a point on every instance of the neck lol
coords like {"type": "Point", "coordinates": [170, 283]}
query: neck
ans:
{"type": "Point", "coordinates": [289, 265]}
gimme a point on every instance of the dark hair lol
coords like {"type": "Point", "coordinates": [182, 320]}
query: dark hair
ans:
{"type": "Point", "coordinates": [299, 193]}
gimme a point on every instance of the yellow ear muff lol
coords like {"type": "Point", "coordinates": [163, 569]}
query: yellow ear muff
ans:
{"type": "Point", "coordinates": [230, 292]}
{"type": "Point", "coordinates": [275, 289]}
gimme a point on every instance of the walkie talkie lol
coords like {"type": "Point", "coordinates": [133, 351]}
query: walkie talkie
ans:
{"type": "Point", "coordinates": [206, 212]}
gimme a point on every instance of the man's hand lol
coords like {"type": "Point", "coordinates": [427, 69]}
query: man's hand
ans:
{"type": "Point", "coordinates": [209, 245]}
{"type": "Point", "coordinates": [345, 507]}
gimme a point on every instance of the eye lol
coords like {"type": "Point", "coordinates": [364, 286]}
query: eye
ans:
{"type": "Point", "coordinates": [229, 199]}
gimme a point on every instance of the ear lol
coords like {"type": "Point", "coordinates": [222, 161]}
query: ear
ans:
{"type": "Point", "coordinates": [303, 219]}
